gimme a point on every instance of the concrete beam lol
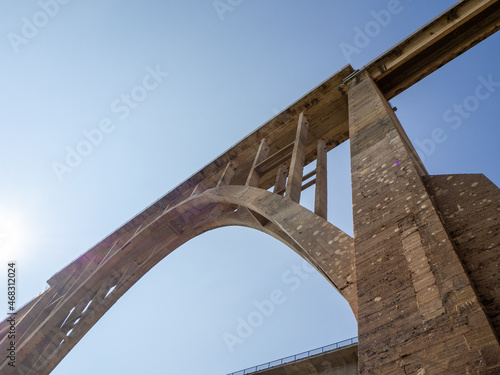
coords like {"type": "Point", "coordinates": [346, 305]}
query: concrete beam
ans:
{"type": "Point", "coordinates": [338, 362]}
{"type": "Point", "coordinates": [433, 45]}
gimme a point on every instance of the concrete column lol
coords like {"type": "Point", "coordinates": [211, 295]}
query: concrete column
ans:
{"type": "Point", "coordinates": [294, 184]}
{"type": "Point", "coordinates": [321, 194]}
{"type": "Point", "coordinates": [280, 182]}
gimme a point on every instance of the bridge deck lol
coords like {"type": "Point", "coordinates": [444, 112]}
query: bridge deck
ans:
{"type": "Point", "coordinates": [340, 357]}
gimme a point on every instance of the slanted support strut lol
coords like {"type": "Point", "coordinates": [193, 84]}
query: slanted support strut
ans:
{"type": "Point", "coordinates": [294, 183]}
{"type": "Point", "coordinates": [254, 176]}
{"type": "Point", "coordinates": [227, 175]}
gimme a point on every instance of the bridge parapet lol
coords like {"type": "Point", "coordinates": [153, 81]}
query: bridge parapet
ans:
{"type": "Point", "coordinates": [339, 358]}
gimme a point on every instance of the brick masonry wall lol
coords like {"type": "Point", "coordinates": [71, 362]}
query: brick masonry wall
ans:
{"type": "Point", "coordinates": [417, 311]}
{"type": "Point", "coordinates": [470, 208]}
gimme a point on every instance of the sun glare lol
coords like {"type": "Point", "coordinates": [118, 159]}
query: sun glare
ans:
{"type": "Point", "coordinates": [12, 231]}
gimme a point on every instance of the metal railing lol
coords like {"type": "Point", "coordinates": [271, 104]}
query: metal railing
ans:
{"type": "Point", "coordinates": [298, 357]}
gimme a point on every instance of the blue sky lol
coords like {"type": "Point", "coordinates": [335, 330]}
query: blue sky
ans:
{"type": "Point", "coordinates": [213, 78]}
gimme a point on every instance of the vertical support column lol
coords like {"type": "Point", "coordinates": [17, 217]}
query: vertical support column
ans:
{"type": "Point", "coordinates": [294, 184]}
{"type": "Point", "coordinates": [280, 183]}
{"type": "Point", "coordinates": [418, 313]}
{"type": "Point", "coordinates": [321, 194]}
{"type": "Point", "coordinates": [254, 177]}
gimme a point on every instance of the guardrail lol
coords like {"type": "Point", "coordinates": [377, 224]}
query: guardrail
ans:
{"type": "Point", "coordinates": [298, 357]}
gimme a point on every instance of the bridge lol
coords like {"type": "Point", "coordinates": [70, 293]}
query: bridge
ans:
{"type": "Point", "coordinates": [340, 357]}
{"type": "Point", "coordinates": [426, 299]}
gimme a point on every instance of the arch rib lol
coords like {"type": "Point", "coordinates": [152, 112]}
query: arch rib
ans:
{"type": "Point", "coordinates": [78, 301]}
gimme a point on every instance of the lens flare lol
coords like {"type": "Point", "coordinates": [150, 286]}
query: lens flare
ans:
{"type": "Point", "coordinates": [11, 235]}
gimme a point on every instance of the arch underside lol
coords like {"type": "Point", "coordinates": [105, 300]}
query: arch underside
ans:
{"type": "Point", "coordinates": [51, 325]}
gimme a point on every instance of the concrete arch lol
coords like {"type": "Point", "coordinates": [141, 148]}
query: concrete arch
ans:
{"type": "Point", "coordinates": [70, 308]}
{"type": "Point", "coordinates": [324, 246]}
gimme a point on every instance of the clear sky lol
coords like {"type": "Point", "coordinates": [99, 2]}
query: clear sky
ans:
{"type": "Point", "coordinates": [210, 74]}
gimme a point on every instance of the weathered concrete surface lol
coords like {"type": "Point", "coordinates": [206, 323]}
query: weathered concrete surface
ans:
{"type": "Point", "coordinates": [470, 208]}
{"type": "Point", "coordinates": [339, 362]}
{"type": "Point", "coordinates": [420, 314]}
